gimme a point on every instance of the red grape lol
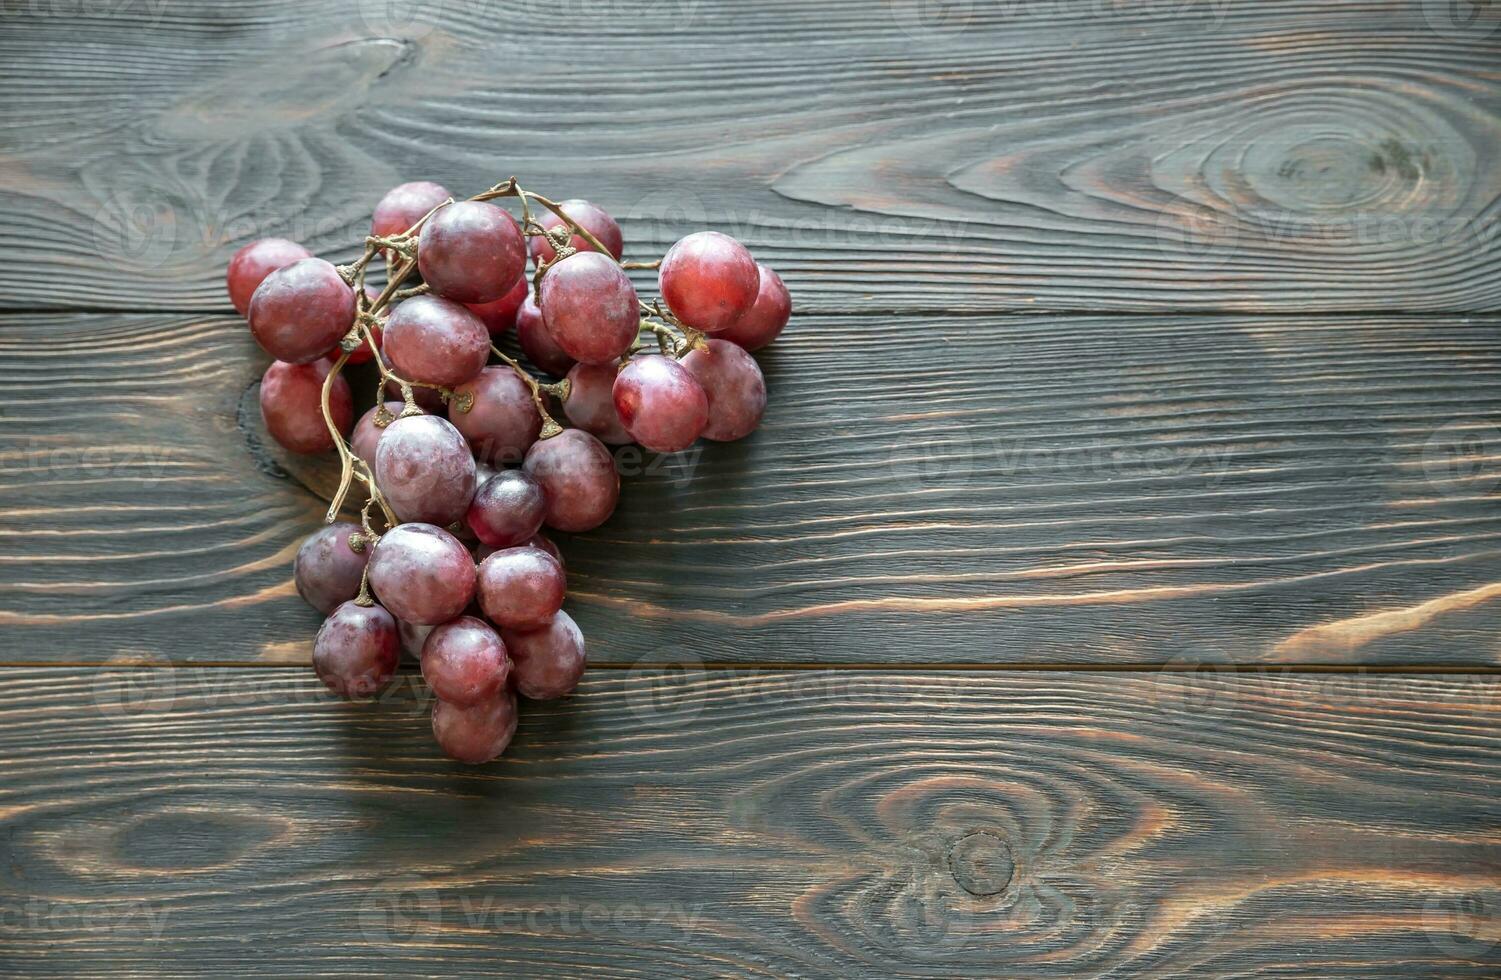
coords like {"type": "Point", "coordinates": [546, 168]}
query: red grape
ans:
{"type": "Point", "coordinates": [763, 322]}
{"type": "Point", "coordinates": [254, 262]}
{"type": "Point", "coordinates": [427, 399]}
{"type": "Point", "coordinates": [536, 343]}
{"type": "Point", "coordinates": [424, 468]}
{"type": "Point", "coordinates": [436, 341]}
{"type": "Point", "coordinates": [590, 307]}
{"type": "Point", "coordinates": [291, 405]}
{"type": "Point", "coordinates": [412, 637]}
{"type": "Point", "coordinates": [578, 479]}
{"type": "Point", "coordinates": [590, 404]}
{"type": "Point", "coordinates": [520, 588]}
{"type": "Point", "coordinates": [507, 509]}
{"type": "Point", "coordinates": [503, 420]}
{"type": "Point", "coordinates": [663, 407]}
{"type": "Point", "coordinates": [546, 662]}
{"type": "Point", "coordinates": [356, 651]}
{"type": "Point", "coordinates": [546, 544]}
{"type": "Point", "coordinates": [299, 311]}
{"type": "Point", "coordinates": [327, 571]}
{"type": "Point", "coordinates": [500, 315]}
{"type": "Point", "coordinates": [422, 574]}
{"type": "Point", "coordinates": [464, 662]}
{"type": "Point", "coordinates": [737, 391]}
{"type": "Point", "coordinates": [478, 733]}
{"type": "Point", "coordinates": [366, 437]}
{"type": "Point", "coordinates": [591, 217]}
{"type": "Point", "coordinates": [404, 205]}
{"type": "Point", "coordinates": [708, 280]}
{"type": "Point", "coordinates": [471, 252]}
{"type": "Point", "coordinates": [362, 353]}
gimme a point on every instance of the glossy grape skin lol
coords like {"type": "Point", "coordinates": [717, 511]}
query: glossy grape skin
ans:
{"type": "Point", "coordinates": [301, 310]}
{"type": "Point", "coordinates": [404, 205]}
{"type": "Point", "coordinates": [424, 468]}
{"type": "Point", "coordinates": [423, 574]}
{"type": "Point", "coordinates": [590, 216]}
{"type": "Point", "coordinates": [357, 650]}
{"type": "Point", "coordinates": [503, 420]}
{"type": "Point", "coordinates": [590, 404]}
{"type": "Point", "coordinates": [708, 280]}
{"type": "Point", "coordinates": [254, 262]}
{"type": "Point", "coordinates": [537, 344]}
{"type": "Point", "coordinates": [436, 341]}
{"type": "Point", "coordinates": [507, 509]}
{"type": "Point", "coordinates": [590, 308]}
{"type": "Point", "coordinates": [471, 252]}
{"type": "Point", "coordinates": [539, 541]}
{"type": "Point", "coordinates": [465, 662]}
{"type": "Point", "coordinates": [546, 662]}
{"type": "Point", "coordinates": [412, 636]}
{"type": "Point", "coordinates": [662, 405]}
{"type": "Point", "coordinates": [291, 406]}
{"type": "Point", "coordinates": [366, 436]}
{"type": "Point", "coordinates": [732, 380]}
{"type": "Point", "coordinates": [500, 315]}
{"type": "Point", "coordinates": [327, 572]}
{"type": "Point", "coordinates": [427, 399]}
{"type": "Point", "coordinates": [478, 733]}
{"type": "Point", "coordinates": [520, 588]}
{"type": "Point", "coordinates": [578, 479]}
{"type": "Point", "coordinates": [763, 322]}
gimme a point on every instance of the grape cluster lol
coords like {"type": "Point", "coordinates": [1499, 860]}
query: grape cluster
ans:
{"type": "Point", "coordinates": [461, 455]}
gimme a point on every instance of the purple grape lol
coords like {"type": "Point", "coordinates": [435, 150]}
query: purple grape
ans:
{"type": "Point", "coordinates": [507, 509]}
{"type": "Point", "coordinates": [763, 322]}
{"type": "Point", "coordinates": [546, 544]}
{"type": "Point", "coordinates": [367, 434]}
{"type": "Point", "coordinates": [464, 662]}
{"type": "Point", "coordinates": [412, 636]}
{"type": "Point", "coordinates": [500, 315]}
{"type": "Point", "coordinates": [732, 380]}
{"type": "Point", "coordinates": [709, 280]}
{"type": "Point", "coordinates": [424, 468]}
{"type": "Point", "coordinates": [426, 399]}
{"type": "Point", "coordinates": [536, 343]}
{"type": "Point", "coordinates": [356, 651]}
{"type": "Point", "coordinates": [404, 205]}
{"type": "Point", "coordinates": [327, 571]}
{"type": "Point", "coordinates": [503, 420]}
{"type": "Point", "coordinates": [578, 479]}
{"type": "Point", "coordinates": [478, 733]}
{"type": "Point", "coordinates": [546, 662]}
{"type": "Point", "coordinates": [590, 404]}
{"type": "Point", "coordinates": [663, 406]}
{"type": "Point", "coordinates": [590, 307]}
{"type": "Point", "coordinates": [423, 574]}
{"type": "Point", "coordinates": [471, 252]}
{"type": "Point", "coordinates": [590, 216]}
{"type": "Point", "coordinates": [299, 311]}
{"type": "Point", "coordinates": [520, 588]}
{"type": "Point", "coordinates": [291, 405]}
{"type": "Point", "coordinates": [254, 262]}
{"type": "Point", "coordinates": [436, 341]}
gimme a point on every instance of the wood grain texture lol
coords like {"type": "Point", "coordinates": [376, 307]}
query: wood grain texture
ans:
{"type": "Point", "coordinates": [903, 156]}
{"type": "Point", "coordinates": [172, 822]}
{"type": "Point", "coordinates": [966, 489]}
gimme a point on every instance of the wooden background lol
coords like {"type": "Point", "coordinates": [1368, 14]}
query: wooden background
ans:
{"type": "Point", "coordinates": [1112, 589]}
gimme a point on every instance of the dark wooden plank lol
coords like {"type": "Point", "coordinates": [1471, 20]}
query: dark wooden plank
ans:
{"type": "Point", "coordinates": [1028, 489]}
{"type": "Point", "coordinates": [1192, 154]}
{"type": "Point", "coordinates": [812, 823]}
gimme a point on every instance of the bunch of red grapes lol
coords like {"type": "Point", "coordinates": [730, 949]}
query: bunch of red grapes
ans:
{"type": "Point", "coordinates": [461, 456]}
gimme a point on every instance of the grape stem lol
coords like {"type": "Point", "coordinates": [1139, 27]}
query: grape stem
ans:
{"type": "Point", "coordinates": [550, 426]}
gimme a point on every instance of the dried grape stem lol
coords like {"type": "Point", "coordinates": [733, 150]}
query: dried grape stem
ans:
{"type": "Point", "coordinates": [550, 427]}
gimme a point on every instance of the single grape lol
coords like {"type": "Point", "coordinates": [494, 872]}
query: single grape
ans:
{"type": "Point", "coordinates": [536, 343]}
{"type": "Point", "coordinates": [362, 353]}
{"type": "Point", "coordinates": [464, 661]}
{"type": "Point", "coordinates": [424, 468]}
{"type": "Point", "coordinates": [301, 310]}
{"type": "Point", "coordinates": [500, 315]}
{"type": "Point", "coordinates": [366, 437]}
{"type": "Point", "coordinates": [548, 661]}
{"type": "Point", "coordinates": [478, 733]}
{"type": "Point", "coordinates": [471, 252]}
{"type": "Point", "coordinates": [427, 399]}
{"type": "Point", "coordinates": [737, 391]}
{"type": "Point", "coordinates": [763, 322]}
{"type": "Point", "coordinates": [507, 509]}
{"type": "Point", "coordinates": [503, 421]}
{"type": "Point", "coordinates": [661, 404]}
{"type": "Point", "coordinates": [291, 405]}
{"type": "Point", "coordinates": [404, 205]}
{"type": "Point", "coordinates": [591, 217]}
{"type": "Point", "coordinates": [436, 341]}
{"type": "Point", "coordinates": [327, 571]}
{"type": "Point", "coordinates": [546, 544]}
{"type": "Point", "coordinates": [422, 574]}
{"type": "Point", "coordinates": [578, 479]}
{"type": "Point", "coordinates": [254, 262]}
{"type": "Point", "coordinates": [709, 280]}
{"type": "Point", "coordinates": [590, 404]}
{"type": "Point", "coordinates": [412, 636]}
{"type": "Point", "coordinates": [356, 651]}
{"type": "Point", "coordinates": [520, 588]}
{"type": "Point", "coordinates": [590, 307]}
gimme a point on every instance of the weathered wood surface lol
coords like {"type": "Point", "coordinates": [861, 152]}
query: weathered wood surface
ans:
{"type": "Point", "coordinates": [903, 156]}
{"type": "Point", "coordinates": [813, 823]}
{"type": "Point", "coordinates": [963, 489]}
